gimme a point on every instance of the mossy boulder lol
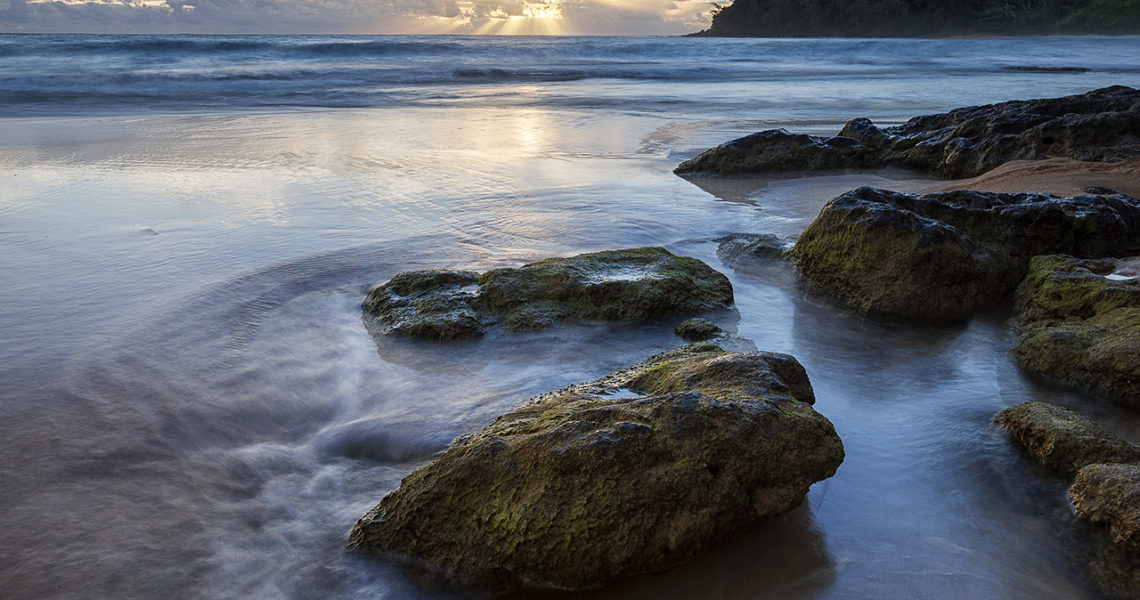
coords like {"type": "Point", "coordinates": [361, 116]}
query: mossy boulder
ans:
{"type": "Point", "coordinates": [1109, 495]}
{"type": "Point", "coordinates": [634, 473]}
{"type": "Point", "coordinates": [639, 284]}
{"type": "Point", "coordinates": [1078, 323]}
{"type": "Point", "coordinates": [432, 304]}
{"type": "Point", "coordinates": [778, 150]}
{"type": "Point", "coordinates": [1100, 125]}
{"type": "Point", "coordinates": [1062, 440]}
{"type": "Point", "coordinates": [880, 258]}
{"type": "Point", "coordinates": [946, 255]}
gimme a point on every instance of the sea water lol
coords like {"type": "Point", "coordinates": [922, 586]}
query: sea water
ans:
{"type": "Point", "coordinates": [191, 405]}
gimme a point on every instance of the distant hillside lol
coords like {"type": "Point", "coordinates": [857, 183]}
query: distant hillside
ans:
{"type": "Point", "coordinates": [872, 18]}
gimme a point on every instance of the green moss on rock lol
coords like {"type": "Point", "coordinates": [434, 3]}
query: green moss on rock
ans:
{"type": "Point", "coordinates": [639, 284]}
{"type": "Point", "coordinates": [1079, 324]}
{"type": "Point", "coordinates": [582, 486]}
{"type": "Point", "coordinates": [1109, 495]}
{"type": "Point", "coordinates": [1062, 440]}
{"type": "Point", "coordinates": [946, 255]}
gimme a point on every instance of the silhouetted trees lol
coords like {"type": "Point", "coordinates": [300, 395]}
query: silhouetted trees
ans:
{"type": "Point", "coordinates": [857, 18]}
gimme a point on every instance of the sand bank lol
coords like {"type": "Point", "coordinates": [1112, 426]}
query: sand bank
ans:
{"type": "Point", "coordinates": [1063, 176]}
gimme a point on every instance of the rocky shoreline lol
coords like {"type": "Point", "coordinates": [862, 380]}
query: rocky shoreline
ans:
{"type": "Point", "coordinates": [663, 460]}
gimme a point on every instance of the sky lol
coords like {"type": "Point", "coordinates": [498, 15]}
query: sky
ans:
{"type": "Point", "coordinates": [521, 17]}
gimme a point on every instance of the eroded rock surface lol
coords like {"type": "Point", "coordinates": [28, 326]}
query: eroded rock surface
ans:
{"type": "Point", "coordinates": [630, 474]}
{"type": "Point", "coordinates": [946, 255]}
{"type": "Point", "coordinates": [1062, 440]}
{"type": "Point", "coordinates": [637, 284]}
{"type": "Point", "coordinates": [1078, 322]}
{"type": "Point", "coordinates": [1101, 125]}
{"type": "Point", "coordinates": [1109, 495]}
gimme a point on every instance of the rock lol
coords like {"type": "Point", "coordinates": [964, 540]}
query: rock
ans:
{"type": "Point", "coordinates": [698, 330]}
{"type": "Point", "coordinates": [1078, 322]}
{"type": "Point", "coordinates": [1101, 125]}
{"type": "Point", "coordinates": [1109, 494]}
{"type": "Point", "coordinates": [1062, 440]}
{"type": "Point", "coordinates": [738, 248]}
{"type": "Point", "coordinates": [431, 304]}
{"type": "Point", "coordinates": [638, 284]}
{"type": "Point", "coordinates": [946, 255]}
{"type": "Point", "coordinates": [778, 150]}
{"type": "Point", "coordinates": [634, 473]}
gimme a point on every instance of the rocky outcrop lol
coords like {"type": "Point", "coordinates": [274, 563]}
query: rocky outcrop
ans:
{"type": "Point", "coordinates": [1109, 495]}
{"type": "Point", "coordinates": [634, 473]}
{"type": "Point", "coordinates": [615, 285]}
{"type": "Point", "coordinates": [1062, 440]}
{"type": "Point", "coordinates": [1106, 490]}
{"type": "Point", "coordinates": [778, 150]}
{"type": "Point", "coordinates": [1101, 125]}
{"type": "Point", "coordinates": [946, 255]}
{"type": "Point", "coordinates": [1078, 322]}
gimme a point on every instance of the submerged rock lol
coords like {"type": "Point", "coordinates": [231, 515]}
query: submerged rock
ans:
{"type": "Point", "coordinates": [698, 330]}
{"type": "Point", "coordinates": [1078, 322]}
{"type": "Point", "coordinates": [1101, 125]}
{"type": "Point", "coordinates": [739, 248]}
{"type": "Point", "coordinates": [778, 150]}
{"type": "Point", "coordinates": [945, 255]}
{"type": "Point", "coordinates": [630, 474]}
{"type": "Point", "coordinates": [1062, 440]}
{"type": "Point", "coordinates": [1109, 495]}
{"type": "Point", "coordinates": [615, 285]}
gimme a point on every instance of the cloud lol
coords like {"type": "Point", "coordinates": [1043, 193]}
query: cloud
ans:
{"type": "Point", "coordinates": [580, 17]}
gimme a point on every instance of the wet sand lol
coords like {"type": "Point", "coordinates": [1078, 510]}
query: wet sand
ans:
{"type": "Point", "coordinates": [1062, 176]}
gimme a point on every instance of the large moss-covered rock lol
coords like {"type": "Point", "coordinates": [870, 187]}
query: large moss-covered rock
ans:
{"type": "Point", "coordinates": [945, 255]}
{"type": "Point", "coordinates": [882, 259]}
{"type": "Point", "coordinates": [1078, 322]}
{"type": "Point", "coordinates": [1109, 495]}
{"type": "Point", "coordinates": [1062, 440]}
{"type": "Point", "coordinates": [630, 474]}
{"type": "Point", "coordinates": [778, 150]}
{"type": "Point", "coordinates": [1101, 125]}
{"type": "Point", "coordinates": [637, 284]}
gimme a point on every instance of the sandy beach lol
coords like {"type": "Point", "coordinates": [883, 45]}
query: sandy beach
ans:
{"type": "Point", "coordinates": [1061, 176]}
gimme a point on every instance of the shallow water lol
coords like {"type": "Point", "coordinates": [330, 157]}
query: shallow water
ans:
{"type": "Point", "coordinates": [193, 406]}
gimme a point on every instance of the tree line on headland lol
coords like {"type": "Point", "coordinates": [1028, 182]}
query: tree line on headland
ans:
{"type": "Point", "coordinates": [872, 18]}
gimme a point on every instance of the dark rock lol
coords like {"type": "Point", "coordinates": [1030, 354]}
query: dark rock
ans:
{"type": "Point", "coordinates": [1100, 191]}
{"type": "Point", "coordinates": [698, 330]}
{"type": "Point", "coordinates": [778, 150]}
{"type": "Point", "coordinates": [945, 255]}
{"type": "Point", "coordinates": [585, 485]}
{"type": "Point", "coordinates": [1101, 125]}
{"type": "Point", "coordinates": [615, 285]}
{"type": "Point", "coordinates": [1109, 495]}
{"type": "Point", "coordinates": [1078, 322]}
{"type": "Point", "coordinates": [739, 248]}
{"type": "Point", "coordinates": [1062, 440]}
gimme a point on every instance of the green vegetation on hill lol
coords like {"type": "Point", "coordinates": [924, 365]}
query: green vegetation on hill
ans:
{"type": "Point", "coordinates": [859, 18]}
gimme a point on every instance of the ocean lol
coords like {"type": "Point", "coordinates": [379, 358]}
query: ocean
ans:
{"type": "Point", "coordinates": [192, 407]}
